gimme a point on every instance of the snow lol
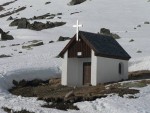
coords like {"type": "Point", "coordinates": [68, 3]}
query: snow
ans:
{"type": "Point", "coordinates": [120, 16]}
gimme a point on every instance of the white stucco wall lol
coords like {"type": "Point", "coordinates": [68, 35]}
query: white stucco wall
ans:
{"type": "Point", "coordinates": [102, 70]}
{"type": "Point", "coordinates": [108, 70]}
{"type": "Point", "coordinates": [75, 71]}
{"type": "Point", "coordinates": [72, 70]}
{"type": "Point", "coordinates": [64, 69]}
{"type": "Point", "coordinates": [93, 69]}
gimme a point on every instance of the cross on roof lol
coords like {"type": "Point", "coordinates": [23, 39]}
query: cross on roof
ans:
{"type": "Point", "coordinates": [77, 26]}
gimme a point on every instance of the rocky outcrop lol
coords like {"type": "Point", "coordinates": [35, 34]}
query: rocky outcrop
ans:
{"type": "Point", "coordinates": [1, 8]}
{"type": "Point", "coordinates": [24, 23]}
{"type": "Point", "coordinates": [7, 3]}
{"type": "Point", "coordinates": [75, 2]}
{"type": "Point", "coordinates": [10, 18]}
{"type": "Point", "coordinates": [47, 3]}
{"type": "Point", "coordinates": [146, 22]}
{"type": "Point", "coordinates": [107, 32]}
{"type": "Point", "coordinates": [4, 56]}
{"type": "Point", "coordinates": [5, 36]}
{"type": "Point", "coordinates": [12, 12]}
{"type": "Point", "coordinates": [61, 38]}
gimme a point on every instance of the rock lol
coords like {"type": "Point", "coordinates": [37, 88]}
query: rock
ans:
{"type": "Point", "coordinates": [1, 8]}
{"type": "Point", "coordinates": [59, 13]}
{"type": "Point", "coordinates": [139, 51]}
{"type": "Point", "coordinates": [3, 46]}
{"type": "Point", "coordinates": [23, 23]}
{"type": "Point", "coordinates": [146, 22]}
{"type": "Point", "coordinates": [22, 83]}
{"type": "Point", "coordinates": [6, 37]}
{"type": "Point", "coordinates": [131, 40]}
{"type": "Point", "coordinates": [41, 17]}
{"type": "Point", "coordinates": [51, 41]}
{"type": "Point", "coordinates": [75, 2]}
{"type": "Point", "coordinates": [37, 44]}
{"type": "Point", "coordinates": [15, 45]}
{"type": "Point", "coordinates": [59, 23]}
{"type": "Point", "coordinates": [47, 3]}
{"type": "Point", "coordinates": [14, 23]}
{"type": "Point", "coordinates": [12, 12]}
{"type": "Point", "coordinates": [37, 26]}
{"type": "Point", "coordinates": [1, 31]}
{"type": "Point", "coordinates": [115, 36]}
{"type": "Point", "coordinates": [10, 18]}
{"type": "Point", "coordinates": [105, 31]}
{"type": "Point", "coordinates": [15, 82]}
{"type": "Point", "coordinates": [35, 82]}
{"type": "Point", "coordinates": [4, 56]}
{"type": "Point", "coordinates": [69, 94]}
{"type": "Point", "coordinates": [138, 25]}
{"type": "Point", "coordinates": [61, 38]}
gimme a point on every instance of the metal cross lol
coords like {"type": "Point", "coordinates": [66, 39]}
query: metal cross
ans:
{"type": "Point", "coordinates": [77, 26]}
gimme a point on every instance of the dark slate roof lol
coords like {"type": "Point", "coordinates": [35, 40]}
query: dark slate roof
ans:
{"type": "Point", "coordinates": [102, 45]}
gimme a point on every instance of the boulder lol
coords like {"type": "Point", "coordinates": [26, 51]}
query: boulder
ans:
{"type": "Point", "coordinates": [61, 38]}
{"type": "Point", "coordinates": [49, 25]}
{"type": "Point", "coordinates": [131, 40]}
{"type": "Point", "coordinates": [37, 26]}
{"type": "Point", "coordinates": [37, 44]}
{"type": "Point", "coordinates": [22, 23]}
{"type": "Point", "coordinates": [4, 56]}
{"type": "Point", "coordinates": [15, 82]}
{"type": "Point", "coordinates": [1, 31]}
{"type": "Point", "coordinates": [59, 23]}
{"type": "Point", "coordinates": [75, 2]}
{"type": "Point", "coordinates": [6, 37]}
{"type": "Point", "coordinates": [10, 18]}
{"type": "Point", "coordinates": [47, 3]}
{"type": "Point", "coordinates": [146, 22]}
{"type": "Point", "coordinates": [14, 23]}
{"type": "Point", "coordinates": [35, 82]}
{"type": "Point", "coordinates": [1, 8]}
{"type": "Point", "coordinates": [115, 36]}
{"type": "Point", "coordinates": [22, 83]}
{"type": "Point", "coordinates": [51, 41]}
{"type": "Point", "coordinates": [107, 32]}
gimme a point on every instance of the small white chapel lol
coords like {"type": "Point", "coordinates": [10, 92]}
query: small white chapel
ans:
{"type": "Point", "coordinates": [91, 58]}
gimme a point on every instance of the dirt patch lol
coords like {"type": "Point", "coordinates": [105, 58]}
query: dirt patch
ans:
{"type": "Point", "coordinates": [138, 75]}
{"type": "Point", "coordinates": [63, 97]}
{"type": "Point", "coordinates": [12, 111]}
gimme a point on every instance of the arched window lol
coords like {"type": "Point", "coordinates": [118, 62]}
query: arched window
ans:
{"type": "Point", "coordinates": [120, 68]}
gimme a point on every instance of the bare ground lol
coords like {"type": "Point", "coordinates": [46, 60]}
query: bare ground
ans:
{"type": "Point", "coordinates": [52, 91]}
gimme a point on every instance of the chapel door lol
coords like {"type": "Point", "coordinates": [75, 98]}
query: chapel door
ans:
{"type": "Point", "coordinates": [86, 73]}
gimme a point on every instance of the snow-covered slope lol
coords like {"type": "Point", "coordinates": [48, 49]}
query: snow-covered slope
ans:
{"type": "Point", "coordinates": [120, 16]}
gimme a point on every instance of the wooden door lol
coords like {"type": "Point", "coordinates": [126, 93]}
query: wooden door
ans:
{"type": "Point", "coordinates": [86, 73]}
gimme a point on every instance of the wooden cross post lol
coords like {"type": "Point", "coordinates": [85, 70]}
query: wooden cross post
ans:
{"type": "Point", "coordinates": [77, 26]}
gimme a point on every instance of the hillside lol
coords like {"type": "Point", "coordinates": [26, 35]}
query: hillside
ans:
{"type": "Point", "coordinates": [127, 18]}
